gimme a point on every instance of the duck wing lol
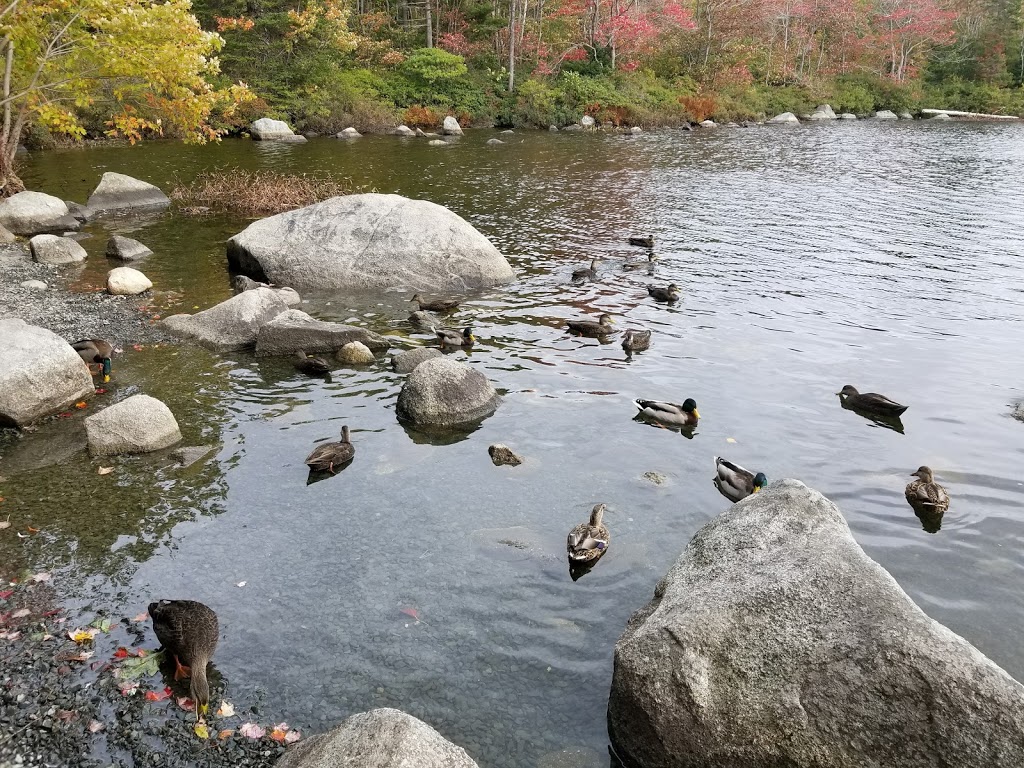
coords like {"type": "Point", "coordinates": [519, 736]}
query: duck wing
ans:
{"type": "Point", "coordinates": [732, 480]}
{"type": "Point", "coordinates": [879, 403]}
{"type": "Point", "coordinates": [659, 408]}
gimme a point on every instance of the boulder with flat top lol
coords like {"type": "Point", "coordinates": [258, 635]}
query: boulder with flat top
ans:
{"type": "Point", "coordinates": [120, 194]}
{"type": "Point", "coordinates": [33, 213]}
{"type": "Point", "coordinates": [233, 324]}
{"type": "Point", "coordinates": [294, 330]}
{"type": "Point", "coordinates": [56, 250]}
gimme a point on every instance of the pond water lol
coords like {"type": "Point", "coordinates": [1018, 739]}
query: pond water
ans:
{"type": "Point", "coordinates": [883, 255]}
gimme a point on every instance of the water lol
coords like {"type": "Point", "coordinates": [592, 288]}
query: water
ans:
{"type": "Point", "coordinates": [882, 255]}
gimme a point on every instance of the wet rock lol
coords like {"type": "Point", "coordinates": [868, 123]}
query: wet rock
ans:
{"type": "Point", "coordinates": [574, 128]}
{"type": "Point", "coordinates": [355, 353]}
{"type": "Point", "coordinates": [32, 213]}
{"type": "Point", "coordinates": [885, 114]}
{"type": "Point", "coordinates": [508, 131]}
{"type": "Point", "coordinates": [118, 193]}
{"type": "Point", "coordinates": [424, 320]}
{"type": "Point", "coordinates": [6, 236]}
{"type": "Point", "coordinates": [502, 455]}
{"type": "Point", "coordinates": [588, 122]}
{"type": "Point", "coordinates": [52, 249]}
{"type": "Point", "coordinates": [786, 118]}
{"type": "Point", "coordinates": [232, 324]}
{"type": "Point", "coordinates": [293, 330]}
{"type": "Point", "coordinates": [40, 373]}
{"type": "Point", "coordinates": [403, 130]}
{"type": "Point", "coordinates": [775, 640]}
{"type": "Point", "coordinates": [125, 281]}
{"type": "Point", "coordinates": [126, 249]}
{"type": "Point", "coordinates": [188, 455]}
{"type": "Point", "coordinates": [847, 116]}
{"type": "Point", "coordinates": [34, 285]}
{"type": "Point", "coordinates": [823, 112]}
{"type": "Point", "coordinates": [406, 362]}
{"type": "Point", "coordinates": [941, 116]}
{"type": "Point", "coordinates": [78, 211]}
{"type": "Point", "coordinates": [369, 241]}
{"type": "Point", "coordinates": [494, 142]}
{"type": "Point", "coordinates": [348, 133]}
{"type": "Point", "coordinates": [553, 128]}
{"type": "Point", "coordinates": [437, 143]}
{"type": "Point", "coordinates": [444, 392]}
{"type": "Point", "coordinates": [636, 129]}
{"type": "Point", "coordinates": [655, 478]}
{"type": "Point", "coordinates": [580, 757]}
{"type": "Point", "coordinates": [381, 738]}
{"type": "Point", "coordinates": [451, 127]}
{"type": "Point", "coordinates": [138, 424]}
{"type": "Point", "coordinates": [708, 124]}
{"type": "Point", "coordinates": [267, 129]}
{"type": "Point", "coordinates": [1018, 412]}
{"type": "Point", "coordinates": [289, 295]}
{"type": "Point", "coordinates": [905, 116]}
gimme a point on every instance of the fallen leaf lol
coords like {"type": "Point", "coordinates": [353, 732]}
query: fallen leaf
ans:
{"type": "Point", "coordinates": [195, 306]}
{"type": "Point", "coordinates": [225, 733]}
{"type": "Point", "coordinates": [730, 439]}
{"type": "Point", "coordinates": [65, 415]}
{"type": "Point", "coordinates": [411, 612]}
{"type": "Point", "coordinates": [128, 687]}
{"type": "Point", "coordinates": [201, 730]}
{"type": "Point", "coordinates": [278, 734]}
{"type": "Point", "coordinates": [292, 736]}
{"type": "Point", "coordinates": [83, 656]}
{"type": "Point", "coordinates": [251, 730]}
{"type": "Point", "coordinates": [105, 470]}
{"type": "Point", "coordinates": [20, 613]}
{"type": "Point", "coordinates": [121, 653]}
{"type": "Point", "coordinates": [67, 715]}
{"type": "Point", "coordinates": [100, 391]}
{"type": "Point", "coordinates": [137, 347]}
{"type": "Point", "coordinates": [12, 635]}
{"type": "Point", "coordinates": [141, 617]}
{"type": "Point", "coordinates": [6, 593]}
{"type": "Point", "coordinates": [44, 576]}
{"type": "Point", "coordinates": [82, 635]}
{"type": "Point", "coordinates": [227, 709]}
{"type": "Point", "coordinates": [159, 695]}
{"type": "Point", "coordinates": [36, 530]}
{"type": "Point", "coordinates": [81, 404]}
{"type": "Point", "coordinates": [102, 624]}
{"type": "Point", "coordinates": [240, 584]}
{"type": "Point", "coordinates": [143, 666]}
{"type": "Point", "coordinates": [95, 726]}
{"type": "Point", "coordinates": [186, 703]}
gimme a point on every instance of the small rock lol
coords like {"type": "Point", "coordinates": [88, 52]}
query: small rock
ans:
{"type": "Point", "coordinates": [403, 130]}
{"type": "Point", "coordinates": [77, 210]}
{"type": "Point", "coordinates": [1018, 412]}
{"type": "Point", "coordinates": [405, 362]}
{"type": "Point", "coordinates": [290, 295]}
{"type": "Point", "coordinates": [495, 141]}
{"type": "Point", "coordinates": [509, 131]}
{"type": "Point", "coordinates": [355, 353]}
{"type": "Point", "coordinates": [444, 392]}
{"type": "Point", "coordinates": [125, 281]}
{"type": "Point", "coordinates": [574, 128]}
{"type": "Point", "coordinates": [786, 118]}
{"type": "Point", "coordinates": [451, 127]}
{"type": "Point", "coordinates": [34, 285]}
{"type": "Point", "coordinates": [588, 122]}
{"type": "Point", "coordinates": [905, 116]}
{"type": "Point", "coordinates": [437, 143]}
{"type": "Point", "coordinates": [553, 128]}
{"type": "Point", "coordinates": [126, 249]}
{"type": "Point", "coordinates": [424, 320]}
{"type": "Point", "coordinates": [635, 130]}
{"type": "Point", "coordinates": [293, 139]}
{"type": "Point", "coordinates": [267, 129]}
{"type": "Point", "coordinates": [847, 116]}
{"type": "Point", "coordinates": [502, 455]}
{"type": "Point", "coordinates": [708, 124]}
{"type": "Point", "coordinates": [885, 114]}
{"type": "Point", "coordinates": [655, 477]}
{"type": "Point", "coordinates": [190, 454]}
{"type": "Point", "coordinates": [138, 424]}
{"type": "Point", "coordinates": [941, 116]}
{"type": "Point", "coordinates": [348, 133]}
{"type": "Point", "coordinates": [51, 249]}
{"type": "Point", "coordinates": [6, 236]}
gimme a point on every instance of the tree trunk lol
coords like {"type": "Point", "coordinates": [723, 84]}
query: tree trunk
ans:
{"type": "Point", "coordinates": [430, 27]}
{"type": "Point", "coordinates": [10, 184]}
{"type": "Point", "coordinates": [512, 45]}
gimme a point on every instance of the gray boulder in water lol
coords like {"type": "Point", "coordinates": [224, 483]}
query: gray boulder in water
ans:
{"type": "Point", "coordinates": [369, 242]}
{"type": "Point", "coordinates": [885, 114]}
{"type": "Point", "coordinates": [451, 127]}
{"type": "Point", "coordinates": [56, 250]}
{"type": "Point", "coordinates": [380, 738]}
{"type": "Point", "coordinates": [31, 213]}
{"type": "Point", "coordinates": [406, 362]}
{"type": "Point", "coordinates": [126, 249]}
{"type": "Point", "coordinates": [294, 330]}
{"type": "Point", "coordinates": [40, 373]}
{"type": "Point", "coordinates": [776, 641]}
{"type": "Point", "coordinates": [117, 193]}
{"type": "Point", "coordinates": [138, 424]}
{"type": "Point", "coordinates": [444, 393]}
{"type": "Point", "coordinates": [268, 129]}
{"type": "Point", "coordinates": [233, 324]}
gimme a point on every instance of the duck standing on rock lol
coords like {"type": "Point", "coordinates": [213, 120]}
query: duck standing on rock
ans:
{"type": "Point", "coordinates": [448, 338]}
{"type": "Point", "coordinates": [734, 482]}
{"type": "Point", "coordinates": [685, 415]}
{"type": "Point", "coordinates": [634, 340]}
{"type": "Point", "coordinates": [870, 402]}
{"type": "Point", "coordinates": [602, 327]}
{"type": "Point", "coordinates": [587, 273]}
{"type": "Point", "coordinates": [670, 293]}
{"type": "Point", "coordinates": [924, 493]}
{"type": "Point", "coordinates": [314, 366]}
{"type": "Point", "coordinates": [438, 305]}
{"type": "Point", "coordinates": [188, 631]}
{"type": "Point", "coordinates": [327, 456]}
{"type": "Point", "coordinates": [588, 542]}
{"type": "Point", "coordinates": [95, 352]}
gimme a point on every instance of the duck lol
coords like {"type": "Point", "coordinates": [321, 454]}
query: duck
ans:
{"type": "Point", "coordinates": [670, 293]}
{"type": "Point", "coordinates": [685, 415]}
{"type": "Point", "coordinates": [438, 305]}
{"type": "Point", "coordinates": [328, 455]}
{"type": "Point", "coordinates": [734, 482]}
{"type": "Point", "coordinates": [637, 263]}
{"type": "Point", "coordinates": [587, 273]}
{"type": "Point", "coordinates": [925, 493]}
{"type": "Point", "coordinates": [634, 340]}
{"type": "Point", "coordinates": [448, 338]}
{"type": "Point", "coordinates": [95, 352]}
{"type": "Point", "coordinates": [587, 542]}
{"type": "Point", "coordinates": [241, 284]}
{"type": "Point", "coordinates": [870, 402]}
{"type": "Point", "coordinates": [644, 241]}
{"type": "Point", "coordinates": [602, 327]}
{"type": "Point", "coordinates": [314, 366]}
{"type": "Point", "coordinates": [188, 631]}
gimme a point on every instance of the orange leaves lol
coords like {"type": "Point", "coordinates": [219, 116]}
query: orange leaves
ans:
{"type": "Point", "coordinates": [236, 23]}
{"type": "Point", "coordinates": [158, 695]}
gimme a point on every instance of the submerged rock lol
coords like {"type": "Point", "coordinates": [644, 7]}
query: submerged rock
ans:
{"type": "Point", "coordinates": [118, 193]}
{"type": "Point", "coordinates": [40, 373]}
{"type": "Point", "coordinates": [126, 249]}
{"type": "Point", "coordinates": [369, 242]}
{"type": "Point", "coordinates": [847, 116]}
{"type": "Point", "coordinates": [138, 424]}
{"type": "Point", "coordinates": [233, 324]}
{"type": "Point", "coordinates": [905, 116]}
{"type": "Point", "coordinates": [294, 330]}
{"type": "Point", "coordinates": [188, 455]}
{"type": "Point", "coordinates": [940, 117]}
{"type": "Point", "coordinates": [406, 362]}
{"type": "Point", "coordinates": [125, 281]}
{"type": "Point", "coordinates": [424, 320]}
{"type": "Point", "coordinates": [355, 353]}
{"type": "Point", "coordinates": [442, 392]}
{"type": "Point", "coordinates": [494, 142]}
{"type": "Point", "coordinates": [267, 129]}
{"type": "Point", "coordinates": [52, 249]}
{"type": "Point", "coordinates": [786, 118]}
{"type": "Point", "coordinates": [451, 127]}
{"type": "Point", "coordinates": [32, 213]}
{"type": "Point", "coordinates": [775, 640]}
{"type": "Point", "coordinates": [502, 455]}
{"type": "Point", "coordinates": [380, 738]}
{"type": "Point", "coordinates": [437, 143]}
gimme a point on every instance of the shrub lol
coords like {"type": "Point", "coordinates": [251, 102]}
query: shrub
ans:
{"type": "Point", "coordinates": [418, 116]}
{"type": "Point", "coordinates": [254, 193]}
{"type": "Point", "coordinates": [701, 107]}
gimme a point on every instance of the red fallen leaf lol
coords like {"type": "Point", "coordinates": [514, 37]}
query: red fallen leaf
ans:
{"type": "Point", "coordinates": [186, 703]}
{"type": "Point", "coordinates": [6, 593]}
{"type": "Point", "coordinates": [278, 735]}
{"type": "Point", "coordinates": [412, 612]}
{"type": "Point", "coordinates": [225, 733]}
{"type": "Point", "coordinates": [100, 391]}
{"type": "Point", "coordinates": [141, 617]}
{"type": "Point", "coordinates": [65, 415]}
{"type": "Point", "coordinates": [161, 695]}
{"type": "Point", "coordinates": [54, 612]}
{"type": "Point", "coordinates": [33, 530]}
{"type": "Point", "coordinates": [137, 347]}
{"type": "Point", "coordinates": [121, 653]}
{"type": "Point", "coordinates": [81, 404]}
{"type": "Point", "coordinates": [141, 652]}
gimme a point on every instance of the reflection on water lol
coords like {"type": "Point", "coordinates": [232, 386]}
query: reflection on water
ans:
{"type": "Point", "coordinates": [884, 255]}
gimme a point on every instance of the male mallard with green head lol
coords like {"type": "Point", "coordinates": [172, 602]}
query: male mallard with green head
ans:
{"type": "Point", "coordinates": [602, 327]}
{"type": "Point", "coordinates": [588, 541]}
{"type": "Point", "coordinates": [326, 456]}
{"type": "Point", "coordinates": [95, 352]}
{"type": "Point", "coordinates": [685, 415]}
{"type": "Point", "coordinates": [734, 482]}
{"type": "Point", "coordinates": [448, 338]}
{"type": "Point", "coordinates": [188, 631]}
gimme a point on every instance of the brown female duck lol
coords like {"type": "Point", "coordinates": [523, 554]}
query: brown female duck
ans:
{"type": "Point", "coordinates": [588, 541]}
{"type": "Point", "coordinates": [188, 631]}
{"type": "Point", "coordinates": [326, 456]}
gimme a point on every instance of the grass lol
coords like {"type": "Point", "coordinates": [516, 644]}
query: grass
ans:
{"type": "Point", "coordinates": [254, 193]}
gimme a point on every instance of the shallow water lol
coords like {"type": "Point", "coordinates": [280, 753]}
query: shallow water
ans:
{"type": "Point", "coordinates": [885, 255]}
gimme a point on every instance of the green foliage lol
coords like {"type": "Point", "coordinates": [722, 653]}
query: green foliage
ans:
{"type": "Point", "coordinates": [432, 67]}
{"type": "Point", "coordinates": [975, 97]}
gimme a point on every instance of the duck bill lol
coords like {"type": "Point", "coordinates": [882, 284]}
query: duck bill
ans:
{"type": "Point", "coordinates": [696, 413]}
{"type": "Point", "coordinates": [757, 489]}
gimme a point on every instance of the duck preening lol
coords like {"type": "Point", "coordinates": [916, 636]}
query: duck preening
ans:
{"type": "Point", "coordinates": [587, 273]}
{"type": "Point", "coordinates": [685, 415]}
{"type": "Point", "coordinates": [734, 482]}
{"type": "Point", "coordinates": [602, 327]}
{"type": "Point", "coordinates": [870, 402]}
{"type": "Point", "coordinates": [669, 293]}
{"type": "Point", "coordinates": [448, 338]}
{"type": "Point", "coordinates": [95, 352]}
{"type": "Point", "coordinates": [644, 241]}
{"type": "Point", "coordinates": [924, 493]}
{"type": "Point", "coordinates": [188, 631]}
{"type": "Point", "coordinates": [588, 541]}
{"type": "Point", "coordinates": [437, 305]}
{"type": "Point", "coordinates": [634, 340]}
{"type": "Point", "coordinates": [314, 366]}
{"type": "Point", "coordinates": [328, 457]}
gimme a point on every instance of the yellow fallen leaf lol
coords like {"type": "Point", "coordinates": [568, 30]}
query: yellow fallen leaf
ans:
{"type": "Point", "coordinates": [730, 439]}
{"type": "Point", "coordinates": [105, 470]}
{"type": "Point", "coordinates": [201, 730]}
{"type": "Point", "coordinates": [82, 635]}
{"type": "Point", "coordinates": [81, 404]}
{"type": "Point", "coordinates": [227, 709]}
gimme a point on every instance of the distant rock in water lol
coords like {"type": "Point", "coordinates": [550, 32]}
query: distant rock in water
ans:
{"type": "Point", "coordinates": [403, 130]}
{"type": "Point", "coordinates": [294, 330]}
{"type": "Point", "coordinates": [776, 641]}
{"type": "Point", "coordinates": [885, 114]}
{"type": "Point", "coordinates": [266, 129]}
{"type": "Point", "coordinates": [786, 118]}
{"type": "Point", "coordinates": [348, 133]}
{"type": "Point", "coordinates": [368, 242]}
{"type": "Point", "coordinates": [451, 127]}
{"type": "Point", "coordinates": [138, 424]}
{"type": "Point", "coordinates": [233, 324]}
{"type": "Point", "coordinates": [120, 194]}
{"type": "Point", "coordinates": [502, 455]}
{"type": "Point", "coordinates": [406, 362]}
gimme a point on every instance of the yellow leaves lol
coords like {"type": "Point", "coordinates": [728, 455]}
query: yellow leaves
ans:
{"type": "Point", "coordinates": [81, 636]}
{"type": "Point", "coordinates": [202, 730]}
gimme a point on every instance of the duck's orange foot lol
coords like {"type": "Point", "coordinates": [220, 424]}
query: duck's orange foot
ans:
{"type": "Point", "coordinates": [180, 670]}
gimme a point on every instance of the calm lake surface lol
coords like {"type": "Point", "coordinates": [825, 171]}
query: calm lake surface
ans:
{"type": "Point", "coordinates": [884, 255]}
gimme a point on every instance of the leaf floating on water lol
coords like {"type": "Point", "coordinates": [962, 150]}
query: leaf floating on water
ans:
{"type": "Point", "coordinates": [159, 695]}
{"type": "Point", "coordinates": [186, 703]}
{"type": "Point", "coordinates": [143, 666]}
{"type": "Point", "coordinates": [201, 730]}
{"type": "Point", "coordinates": [141, 617]}
{"type": "Point", "coordinates": [730, 439]}
{"type": "Point", "coordinates": [227, 709]}
{"type": "Point", "coordinates": [241, 584]}
{"type": "Point", "coordinates": [20, 613]}
{"type": "Point", "coordinates": [104, 470]}
{"type": "Point", "coordinates": [82, 635]}
{"type": "Point", "coordinates": [36, 530]}
{"type": "Point", "coordinates": [121, 653]}
{"type": "Point", "coordinates": [252, 731]}
{"type": "Point", "coordinates": [103, 624]}
{"type": "Point", "coordinates": [411, 612]}
{"type": "Point", "coordinates": [225, 733]}
{"type": "Point", "coordinates": [279, 733]}
{"type": "Point", "coordinates": [128, 687]}
{"type": "Point", "coordinates": [95, 726]}
{"type": "Point", "coordinates": [44, 576]}
{"type": "Point", "coordinates": [292, 736]}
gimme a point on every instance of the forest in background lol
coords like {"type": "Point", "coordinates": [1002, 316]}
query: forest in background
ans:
{"type": "Point", "coordinates": [327, 64]}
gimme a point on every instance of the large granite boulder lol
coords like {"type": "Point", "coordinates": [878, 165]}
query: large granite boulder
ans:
{"type": "Point", "coordinates": [40, 374]}
{"type": "Point", "coordinates": [405, 362]}
{"type": "Point", "coordinates": [368, 242]}
{"type": "Point", "coordinates": [786, 118]}
{"type": "Point", "coordinates": [266, 129]}
{"type": "Point", "coordinates": [824, 112]}
{"type": "Point", "coordinates": [138, 424]}
{"type": "Point", "coordinates": [294, 330]}
{"type": "Point", "coordinates": [125, 281]}
{"type": "Point", "coordinates": [445, 393]}
{"type": "Point", "coordinates": [30, 213]}
{"type": "Point", "coordinates": [885, 114]}
{"type": "Point", "coordinates": [233, 324]}
{"type": "Point", "coordinates": [6, 236]}
{"type": "Point", "coordinates": [403, 130]}
{"type": "Point", "coordinates": [126, 249]}
{"type": "Point", "coordinates": [380, 738]}
{"type": "Point", "coordinates": [451, 127]}
{"type": "Point", "coordinates": [117, 193]}
{"type": "Point", "coordinates": [56, 250]}
{"type": "Point", "coordinates": [776, 641]}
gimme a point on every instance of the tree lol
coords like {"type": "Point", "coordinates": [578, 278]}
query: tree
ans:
{"type": "Point", "coordinates": [139, 67]}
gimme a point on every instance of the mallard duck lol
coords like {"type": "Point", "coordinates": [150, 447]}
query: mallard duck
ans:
{"type": "Point", "coordinates": [314, 366]}
{"type": "Point", "coordinates": [241, 284]}
{"type": "Point", "coordinates": [588, 273]}
{"type": "Point", "coordinates": [644, 241]}
{"type": "Point", "coordinates": [448, 338]}
{"type": "Point", "coordinates": [734, 482]}
{"type": "Point", "coordinates": [424, 321]}
{"type": "Point", "coordinates": [588, 541]}
{"type": "Point", "coordinates": [870, 402]}
{"type": "Point", "coordinates": [438, 305]}
{"type": "Point", "coordinates": [634, 340]}
{"type": "Point", "coordinates": [684, 415]}
{"type": "Point", "coordinates": [95, 352]}
{"type": "Point", "coordinates": [636, 264]}
{"type": "Point", "coordinates": [188, 631]}
{"type": "Point", "coordinates": [925, 493]}
{"type": "Point", "coordinates": [602, 327]}
{"type": "Point", "coordinates": [326, 456]}
{"type": "Point", "coordinates": [669, 293]}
